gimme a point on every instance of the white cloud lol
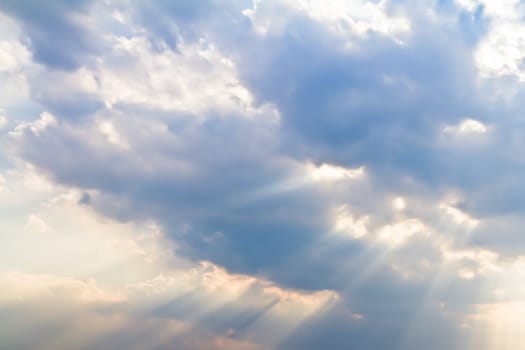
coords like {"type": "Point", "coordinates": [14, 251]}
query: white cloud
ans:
{"type": "Point", "coordinates": [471, 263]}
{"type": "Point", "coordinates": [346, 224]}
{"type": "Point", "coordinates": [502, 50]}
{"type": "Point", "coordinates": [347, 19]}
{"type": "Point", "coordinates": [459, 217]}
{"type": "Point", "coordinates": [34, 181]}
{"type": "Point", "coordinates": [361, 17]}
{"type": "Point", "coordinates": [13, 56]}
{"type": "Point", "coordinates": [398, 233]}
{"type": "Point", "coordinates": [107, 128]}
{"type": "Point", "coordinates": [329, 173]}
{"type": "Point", "coordinates": [46, 120]}
{"type": "Point", "coordinates": [24, 287]}
{"type": "Point", "coordinates": [467, 127]}
{"type": "Point", "coordinates": [15, 67]}
{"type": "Point", "coordinates": [196, 79]}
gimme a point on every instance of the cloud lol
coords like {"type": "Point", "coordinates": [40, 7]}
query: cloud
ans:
{"type": "Point", "coordinates": [116, 279]}
{"type": "Point", "coordinates": [45, 121]}
{"type": "Point", "coordinates": [20, 287]}
{"type": "Point", "coordinates": [280, 174]}
{"type": "Point", "coordinates": [3, 121]}
{"type": "Point", "coordinates": [466, 127]}
{"type": "Point", "coordinates": [43, 23]}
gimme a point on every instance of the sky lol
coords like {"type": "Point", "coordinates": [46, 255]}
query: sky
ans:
{"type": "Point", "coordinates": [262, 174]}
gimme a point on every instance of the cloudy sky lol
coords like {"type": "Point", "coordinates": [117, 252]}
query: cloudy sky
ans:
{"type": "Point", "coordinates": [262, 174]}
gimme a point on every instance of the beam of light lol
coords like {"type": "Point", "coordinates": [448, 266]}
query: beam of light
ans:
{"type": "Point", "coordinates": [308, 175]}
{"type": "Point", "coordinates": [497, 322]}
{"type": "Point", "coordinates": [285, 316]}
{"type": "Point", "coordinates": [254, 310]}
{"type": "Point", "coordinates": [379, 245]}
{"type": "Point", "coordinates": [123, 256]}
{"type": "Point", "coordinates": [499, 326]}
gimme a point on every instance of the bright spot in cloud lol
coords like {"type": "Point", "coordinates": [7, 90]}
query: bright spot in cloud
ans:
{"type": "Point", "coordinates": [348, 225]}
{"type": "Point", "coordinates": [397, 233]}
{"type": "Point", "coordinates": [459, 217]}
{"type": "Point", "coordinates": [108, 129]}
{"type": "Point", "coordinates": [466, 127]}
{"type": "Point", "coordinates": [328, 173]}
{"type": "Point", "coordinates": [45, 121]}
{"type": "Point", "coordinates": [399, 203]}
